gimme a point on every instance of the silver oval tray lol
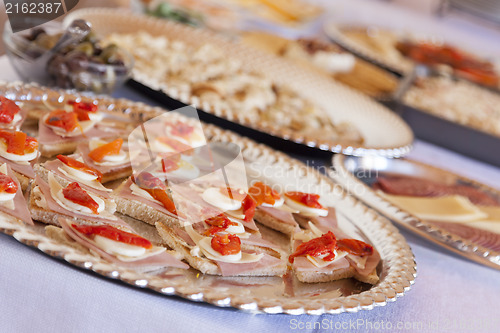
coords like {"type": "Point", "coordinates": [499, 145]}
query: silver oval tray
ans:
{"type": "Point", "coordinates": [397, 270]}
{"type": "Point", "coordinates": [338, 102]}
{"type": "Point", "coordinates": [354, 174]}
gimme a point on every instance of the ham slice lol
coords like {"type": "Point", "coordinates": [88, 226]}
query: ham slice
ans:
{"type": "Point", "coordinates": [370, 265]}
{"type": "Point", "coordinates": [21, 210]}
{"type": "Point", "coordinates": [163, 259]}
{"type": "Point", "coordinates": [420, 187]}
{"type": "Point", "coordinates": [46, 136]}
{"type": "Point", "coordinates": [125, 193]}
{"type": "Point", "coordinates": [231, 269]}
{"type": "Point", "coordinates": [258, 241]}
{"type": "Point", "coordinates": [184, 236]}
{"type": "Point", "coordinates": [304, 265]}
{"type": "Point", "coordinates": [84, 150]}
{"type": "Point", "coordinates": [54, 206]}
{"type": "Point", "coordinates": [24, 169]}
{"type": "Point", "coordinates": [54, 166]}
{"type": "Point", "coordinates": [281, 215]}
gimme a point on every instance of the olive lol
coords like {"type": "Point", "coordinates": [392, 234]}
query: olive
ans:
{"type": "Point", "coordinates": [110, 53]}
{"type": "Point", "coordinates": [85, 47]}
{"type": "Point", "coordinates": [46, 41]}
{"type": "Point", "coordinates": [34, 33]}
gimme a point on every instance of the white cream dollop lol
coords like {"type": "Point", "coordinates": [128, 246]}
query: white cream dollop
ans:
{"type": "Point", "coordinates": [216, 198]}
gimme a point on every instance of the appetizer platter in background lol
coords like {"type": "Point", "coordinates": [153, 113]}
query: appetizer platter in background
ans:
{"type": "Point", "coordinates": [269, 97]}
{"type": "Point", "coordinates": [399, 52]}
{"type": "Point", "coordinates": [327, 58]}
{"type": "Point", "coordinates": [129, 229]}
{"type": "Point", "coordinates": [453, 113]}
{"type": "Point", "coordinates": [450, 210]}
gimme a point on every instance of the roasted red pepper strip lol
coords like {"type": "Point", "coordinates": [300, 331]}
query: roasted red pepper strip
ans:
{"type": "Point", "coordinates": [226, 244]}
{"type": "Point", "coordinates": [8, 109]}
{"type": "Point", "coordinates": [170, 163]}
{"type": "Point", "coordinates": [113, 234]}
{"type": "Point", "coordinates": [18, 142]}
{"type": "Point", "coordinates": [65, 120]}
{"type": "Point", "coordinates": [111, 148]}
{"type": "Point", "coordinates": [218, 223]}
{"type": "Point", "coordinates": [262, 193]}
{"type": "Point", "coordinates": [75, 164]}
{"type": "Point", "coordinates": [308, 199]}
{"type": "Point", "coordinates": [248, 205]}
{"type": "Point", "coordinates": [7, 185]}
{"type": "Point", "coordinates": [156, 188]}
{"type": "Point", "coordinates": [73, 192]}
{"type": "Point", "coordinates": [182, 129]}
{"type": "Point", "coordinates": [324, 245]}
{"type": "Point", "coordinates": [355, 247]}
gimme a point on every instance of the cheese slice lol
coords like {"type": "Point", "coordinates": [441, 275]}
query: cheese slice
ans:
{"type": "Point", "coordinates": [491, 226]}
{"type": "Point", "coordinates": [491, 222]}
{"type": "Point", "coordinates": [452, 208]}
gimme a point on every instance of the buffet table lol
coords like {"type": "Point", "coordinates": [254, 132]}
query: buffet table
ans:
{"type": "Point", "coordinates": [43, 294]}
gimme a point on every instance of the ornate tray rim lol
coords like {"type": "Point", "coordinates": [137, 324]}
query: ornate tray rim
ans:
{"type": "Point", "coordinates": [397, 275]}
{"type": "Point", "coordinates": [253, 59]}
{"type": "Point", "coordinates": [435, 234]}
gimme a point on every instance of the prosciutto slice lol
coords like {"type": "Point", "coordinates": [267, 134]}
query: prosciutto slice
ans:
{"type": "Point", "coordinates": [163, 259]}
{"type": "Point", "coordinates": [21, 210]}
{"type": "Point", "coordinates": [258, 241]}
{"type": "Point", "coordinates": [281, 215]}
{"type": "Point", "coordinates": [54, 206]}
{"type": "Point", "coordinates": [47, 136]}
{"type": "Point", "coordinates": [420, 187]}
{"type": "Point", "coordinates": [370, 265]}
{"type": "Point", "coordinates": [25, 169]}
{"type": "Point", "coordinates": [304, 265]}
{"type": "Point", "coordinates": [231, 269]}
{"type": "Point", "coordinates": [54, 166]}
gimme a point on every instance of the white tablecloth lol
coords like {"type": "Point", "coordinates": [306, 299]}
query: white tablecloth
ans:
{"type": "Point", "coordinates": [38, 293]}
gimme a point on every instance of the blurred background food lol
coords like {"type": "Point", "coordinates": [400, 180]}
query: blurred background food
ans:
{"type": "Point", "coordinates": [329, 59]}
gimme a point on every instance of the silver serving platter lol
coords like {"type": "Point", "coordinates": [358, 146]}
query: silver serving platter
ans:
{"type": "Point", "coordinates": [357, 174]}
{"type": "Point", "coordinates": [397, 269]}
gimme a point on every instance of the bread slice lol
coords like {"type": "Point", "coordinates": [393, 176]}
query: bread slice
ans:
{"type": "Point", "coordinates": [119, 173]}
{"type": "Point", "coordinates": [24, 181]}
{"type": "Point", "coordinates": [63, 148]}
{"type": "Point", "coordinates": [315, 277]}
{"type": "Point", "coordinates": [207, 266]}
{"type": "Point", "coordinates": [274, 223]}
{"type": "Point", "coordinates": [141, 211]}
